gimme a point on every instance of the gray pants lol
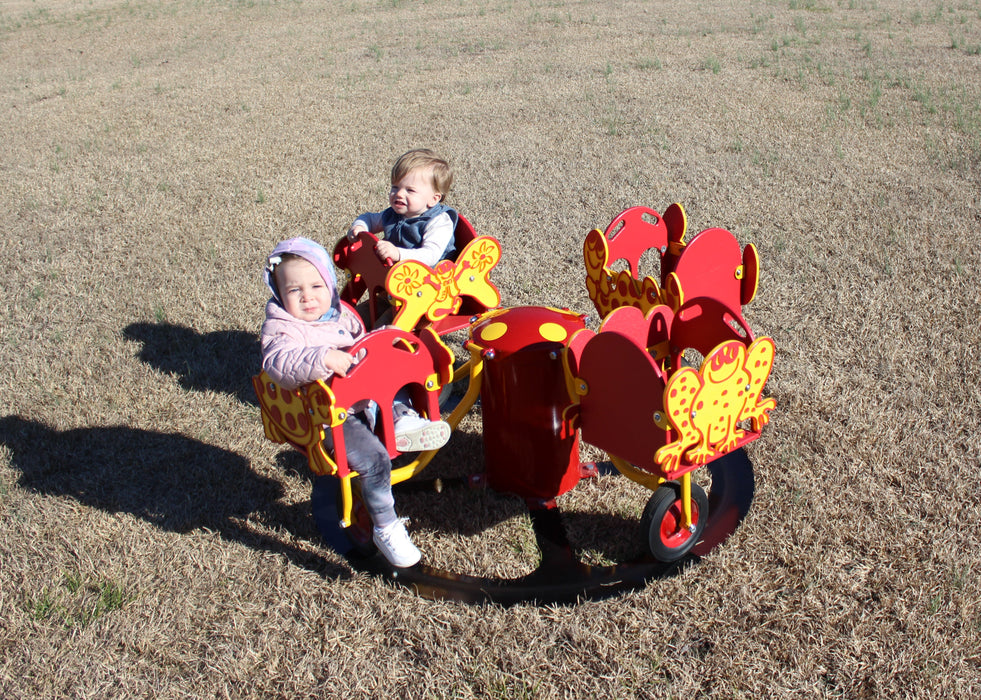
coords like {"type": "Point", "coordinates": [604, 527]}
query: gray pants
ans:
{"type": "Point", "coordinates": [368, 457]}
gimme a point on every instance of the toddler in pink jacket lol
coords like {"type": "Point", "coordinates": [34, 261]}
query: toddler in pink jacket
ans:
{"type": "Point", "coordinates": [304, 338]}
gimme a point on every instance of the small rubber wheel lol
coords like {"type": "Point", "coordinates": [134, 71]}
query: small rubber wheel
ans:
{"type": "Point", "coordinates": [661, 525]}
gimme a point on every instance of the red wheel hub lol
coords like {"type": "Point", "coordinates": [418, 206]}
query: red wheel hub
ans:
{"type": "Point", "coordinates": [673, 533]}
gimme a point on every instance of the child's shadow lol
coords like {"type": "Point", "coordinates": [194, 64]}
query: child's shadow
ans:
{"type": "Point", "coordinates": [222, 361]}
{"type": "Point", "coordinates": [172, 481]}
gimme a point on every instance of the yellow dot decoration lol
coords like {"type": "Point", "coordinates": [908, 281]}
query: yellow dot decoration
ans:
{"type": "Point", "coordinates": [553, 332]}
{"type": "Point", "coordinates": [493, 331]}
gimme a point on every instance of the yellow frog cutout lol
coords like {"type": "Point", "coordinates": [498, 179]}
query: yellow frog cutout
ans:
{"type": "Point", "coordinates": [706, 406]}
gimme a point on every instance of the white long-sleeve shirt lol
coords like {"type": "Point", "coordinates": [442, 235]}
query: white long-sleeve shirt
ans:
{"type": "Point", "coordinates": [436, 236]}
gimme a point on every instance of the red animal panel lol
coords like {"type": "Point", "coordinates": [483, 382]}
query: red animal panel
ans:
{"type": "Point", "coordinates": [622, 399]}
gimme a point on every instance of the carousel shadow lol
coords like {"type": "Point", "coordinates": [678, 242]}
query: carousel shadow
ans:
{"type": "Point", "coordinates": [174, 482]}
{"type": "Point", "coordinates": [222, 361]}
{"type": "Point", "coordinates": [560, 578]}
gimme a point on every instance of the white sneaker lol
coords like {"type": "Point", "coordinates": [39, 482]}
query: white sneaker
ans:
{"type": "Point", "coordinates": [394, 543]}
{"type": "Point", "coordinates": [413, 433]}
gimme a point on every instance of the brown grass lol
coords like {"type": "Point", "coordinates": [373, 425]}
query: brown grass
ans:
{"type": "Point", "coordinates": [153, 543]}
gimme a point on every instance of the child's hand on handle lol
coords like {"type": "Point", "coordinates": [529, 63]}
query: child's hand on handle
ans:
{"type": "Point", "coordinates": [387, 251]}
{"type": "Point", "coordinates": [352, 233]}
{"type": "Point", "coordinates": [339, 362]}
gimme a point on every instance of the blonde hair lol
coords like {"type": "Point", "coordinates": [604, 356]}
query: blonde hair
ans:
{"type": "Point", "coordinates": [424, 158]}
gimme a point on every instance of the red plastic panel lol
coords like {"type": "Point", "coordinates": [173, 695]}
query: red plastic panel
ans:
{"type": "Point", "coordinates": [632, 233]}
{"type": "Point", "coordinates": [711, 265]}
{"type": "Point", "coordinates": [624, 395]}
{"type": "Point", "coordinates": [367, 271]}
{"type": "Point", "coordinates": [393, 359]}
{"type": "Point", "coordinates": [528, 447]}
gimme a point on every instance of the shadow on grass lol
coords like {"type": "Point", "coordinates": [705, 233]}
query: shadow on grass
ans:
{"type": "Point", "coordinates": [172, 481]}
{"type": "Point", "coordinates": [222, 361]}
{"type": "Point", "coordinates": [442, 497]}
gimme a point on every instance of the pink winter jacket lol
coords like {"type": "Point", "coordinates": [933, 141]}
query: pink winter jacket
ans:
{"type": "Point", "coordinates": [293, 350]}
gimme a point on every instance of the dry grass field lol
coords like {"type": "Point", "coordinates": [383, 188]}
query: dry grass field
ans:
{"type": "Point", "coordinates": [153, 543]}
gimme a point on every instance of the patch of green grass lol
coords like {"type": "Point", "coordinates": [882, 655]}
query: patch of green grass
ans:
{"type": "Point", "coordinates": [594, 557]}
{"type": "Point", "coordinates": [72, 582]}
{"type": "Point", "coordinates": [959, 42]}
{"type": "Point", "coordinates": [870, 105]}
{"type": "Point", "coordinates": [760, 22]}
{"type": "Point", "coordinates": [525, 542]}
{"type": "Point", "coordinates": [44, 605]}
{"type": "Point", "coordinates": [553, 18]}
{"type": "Point", "coordinates": [512, 687]}
{"type": "Point", "coordinates": [886, 263]}
{"type": "Point", "coordinates": [649, 63]}
{"type": "Point", "coordinates": [76, 602]}
{"type": "Point", "coordinates": [924, 95]}
{"type": "Point", "coordinates": [613, 123]}
{"type": "Point", "coordinates": [865, 44]}
{"type": "Point", "coordinates": [825, 73]}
